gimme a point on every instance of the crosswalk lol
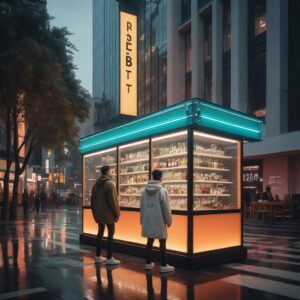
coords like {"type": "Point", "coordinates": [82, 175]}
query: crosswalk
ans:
{"type": "Point", "coordinates": [273, 263]}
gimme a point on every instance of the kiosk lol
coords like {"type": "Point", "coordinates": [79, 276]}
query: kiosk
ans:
{"type": "Point", "coordinates": [198, 146]}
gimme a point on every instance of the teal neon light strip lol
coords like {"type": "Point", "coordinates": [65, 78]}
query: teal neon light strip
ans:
{"type": "Point", "coordinates": [195, 111]}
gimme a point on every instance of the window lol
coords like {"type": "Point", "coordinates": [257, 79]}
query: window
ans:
{"type": "Point", "coordinates": [257, 58]}
{"type": "Point", "coordinates": [226, 79]}
{"type": "Point", "coordinates": [188, 66]}
{"type": "Point", "coordinates": [226, 26]}
{"type": "Point", "coordinates": [207, 19]}
{"type": "Point", "coordinates": [294, 65]}
{"type": "Point", "coordinates": [185, 10]}
{"type": "Point", "coordinates": [207, 38]}
{"type": "Point", "coordinates": [260, 23]}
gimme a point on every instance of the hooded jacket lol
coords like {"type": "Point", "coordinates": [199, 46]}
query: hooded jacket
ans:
{"type": "Point", "coordinates": [105, 202]}
{"type": "Point", "coordinates": [155, 211]}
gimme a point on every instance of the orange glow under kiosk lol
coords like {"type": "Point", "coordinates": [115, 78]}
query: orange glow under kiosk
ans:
{"type": "Point", "coordinates": [198, 147]}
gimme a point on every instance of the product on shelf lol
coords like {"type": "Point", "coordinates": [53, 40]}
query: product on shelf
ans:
{"type": "Point", "coordinates": [214, 174]}
{"type": "Point", "coordinates": [171, 157]}
{"type": "Point", "coordinates": [134, 174]}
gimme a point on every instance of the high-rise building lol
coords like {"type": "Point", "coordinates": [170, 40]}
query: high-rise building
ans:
{"type": "Point", "coordinates": [242, 54]}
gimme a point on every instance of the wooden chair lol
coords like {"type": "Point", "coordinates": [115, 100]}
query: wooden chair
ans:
{"type": "Point", "coordinates": [288, 210]}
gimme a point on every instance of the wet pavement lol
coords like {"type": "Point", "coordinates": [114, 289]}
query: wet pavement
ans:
{"type": "Point", "coordinates": [42, 259]}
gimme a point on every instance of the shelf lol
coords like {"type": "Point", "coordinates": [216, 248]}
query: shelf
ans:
{"type": "Point", "coordinates": [170, 155]}
{"type": "Point", "coordinates": [133, 173]}
{"type": "Point", "coordinates": [128, 184]}
{"type": "Point", "coordinates": [173, 168]}
{"type": "Point", "coordinates": [99, 166]}
{"type": "Point", "coordinates": [213, 181]}
{"type": "Point", "coordinates": [211, 169]}
{"type": "Point", "coordinates": [177, 195]}
{"type": "Point", "coordinates": [213, 155]}
{"type": "Point", "coordinates": [212, 195]}
{"type": "Point", "coordinates": [174, 181]}
{"type": "Point", "coordinates": [127, 162]}
{"type": "Point", "coordinates": [130, 195]}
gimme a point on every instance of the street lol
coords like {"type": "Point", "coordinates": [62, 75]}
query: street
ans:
{"type": "Point", "coordinates": [42, 259]}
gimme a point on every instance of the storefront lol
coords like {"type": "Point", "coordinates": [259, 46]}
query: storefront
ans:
{"type": "Point", "coordinates": [198, 146]}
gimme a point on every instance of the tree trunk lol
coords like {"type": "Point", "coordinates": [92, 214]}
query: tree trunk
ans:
{"type": "Point", "coordinates": [4, 213]}
{"type": "Point", "coordinates": [14, 203]}
{"type": "Point", "coordinates": [5, 199]}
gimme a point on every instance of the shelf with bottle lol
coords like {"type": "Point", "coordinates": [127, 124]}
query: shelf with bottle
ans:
{"type": "Point", "coordinates": [212, 204]}
{"type": "Point", "coordinates": [170, 163]}
{"type": "Point", "coordinates": [211, 190]}
{"type": "Point", "coordinates": [169, 149]}
{"type": "Point", "coordinates": [212, 178]}
{"type": "Point", "coordinates": [178, 203]}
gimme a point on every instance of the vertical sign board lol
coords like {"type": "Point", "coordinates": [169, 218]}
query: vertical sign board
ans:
{"type": "Point", "coordinates": [128, 64]}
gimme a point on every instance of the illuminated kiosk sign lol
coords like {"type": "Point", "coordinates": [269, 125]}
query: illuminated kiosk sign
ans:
{"type": "Point", "coordinates": [128, 64]}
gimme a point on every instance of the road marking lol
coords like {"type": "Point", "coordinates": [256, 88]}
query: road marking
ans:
{"type": "Point", "coordinates": [22, 293]}
{"type": "Point", "coordinates": [252, 251]}
{"type": "Point", "coordinates": [265, 285]}
{"type": "Point", "coordinates": [265, 271]}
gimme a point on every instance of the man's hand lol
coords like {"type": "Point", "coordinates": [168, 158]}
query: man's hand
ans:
{"type": "Point", "coordinates": [117, 219]}
{"type": "Point", "coordinates": [168, 225]}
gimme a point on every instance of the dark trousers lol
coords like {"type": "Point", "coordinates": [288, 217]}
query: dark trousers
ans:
{"type": "Point", "coordinates": [111, 232]}
{"type": "Point", "coordinates": [162, 246]}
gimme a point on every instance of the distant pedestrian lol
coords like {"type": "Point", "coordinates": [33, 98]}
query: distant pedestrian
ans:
{"type": "Point", "coordinates": [31, 200]}
{"type": "Point", "coordinates": [25, 203]}
{"type": "Point", "coordinates": [43, 199]}
{"type": "Point", "coordinates": [106, 211]}
{"type": "Point", "coordinates": [156, 216]}
{"type": "Point", "coordinates": [37, 203]}
{"type": "Point", "coordinates": [54, 200]}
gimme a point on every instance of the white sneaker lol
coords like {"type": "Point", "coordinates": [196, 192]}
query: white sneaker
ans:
{"type": "Point", "coordinates": [149, 266]}
{"type": "Point", "coordinates": [166, 269]}
{"type": "Point", "coordinates": [100, 259]}
{"type": "Point", "coordinates": [112, 261]}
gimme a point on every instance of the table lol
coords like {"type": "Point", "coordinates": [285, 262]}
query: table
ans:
{"type": "Point", "coordinates": [266, 208]}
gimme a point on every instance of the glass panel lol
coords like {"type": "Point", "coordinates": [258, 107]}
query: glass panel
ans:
{"type": "Point", "coordinates": [169, 154]}
{"type": "Point", "coordinates": [92, 164]}
{"type": "Point", "coordinates": [134, 172]}
{"type": "Point", "coordinates": [185, 10]}
{"type": "Point", "coordinates": [260, 17]}
{"type": "Point", "coordinates": [216, 173]}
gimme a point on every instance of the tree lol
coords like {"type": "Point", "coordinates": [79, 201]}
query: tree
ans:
{"type": "Point", "coordinates": [38, 88]}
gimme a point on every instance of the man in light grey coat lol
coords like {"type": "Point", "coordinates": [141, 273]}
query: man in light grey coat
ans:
{"type": "Point", "coordinates": [156, 216]}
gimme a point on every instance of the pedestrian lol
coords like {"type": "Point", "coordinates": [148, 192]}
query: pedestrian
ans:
{"type": "Point", "coordinates": [156, 216]}
{"type": "Point", "coordinates": [106, 211]}
{"type": "Point", "coordinates": [37, 203]}
{"type": "Point", "coordinates": [31, 200]}
{"type": "Point", "coordinates": [54, 200]}
{"type": "Point", "coordinates": [25, 203]}
{"type": "Point", "coordinates": [43, 199]}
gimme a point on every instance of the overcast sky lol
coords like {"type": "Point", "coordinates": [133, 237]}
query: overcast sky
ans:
{"type": "Point", "coordinates": [76, 15]}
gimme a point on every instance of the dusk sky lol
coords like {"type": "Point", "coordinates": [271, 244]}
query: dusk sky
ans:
{"type": "Point", "coordinates": [76, 15]}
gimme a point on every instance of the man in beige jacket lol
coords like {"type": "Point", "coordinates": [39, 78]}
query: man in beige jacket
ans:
{"type": "Point", "coordinates": [156, 216]}
{"type": "Point", "coordinates": [106, 211]}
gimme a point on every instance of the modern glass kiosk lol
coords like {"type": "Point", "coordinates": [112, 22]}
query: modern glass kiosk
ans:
{"type": "Point", "coordinates": [198, 146]}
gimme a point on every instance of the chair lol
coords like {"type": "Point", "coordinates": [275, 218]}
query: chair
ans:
{"type": "Point", "coordinates": [278, 212]}
{"type": "Point", "coordinates": [265, 210]}
{"type": "Point", "coordinates": [288, 210]}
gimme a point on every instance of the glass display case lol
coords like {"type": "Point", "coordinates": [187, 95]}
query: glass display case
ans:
{"type": "Point", "coordinates": [92, 164]}
{"type": "Point", "coordinates": [198, 147]}
{"type": "Point", "coordinates": [134, 172]}
{"type": "Point", "coordinates": [216, 172]}
{"type": "Point", "coordinates": [169, 154]}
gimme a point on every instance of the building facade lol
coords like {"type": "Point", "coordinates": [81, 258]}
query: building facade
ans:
{"type": "Point", "coordinates": [242, 54]}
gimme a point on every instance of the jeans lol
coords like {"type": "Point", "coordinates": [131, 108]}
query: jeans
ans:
{"type": "Point", "coordinates": [162, 246]}
{"type": "Point", "coordinates": [111, 232]}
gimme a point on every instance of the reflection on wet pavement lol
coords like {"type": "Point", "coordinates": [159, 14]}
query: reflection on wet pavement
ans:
{"type": "Point", "coordinates": [42, 259]}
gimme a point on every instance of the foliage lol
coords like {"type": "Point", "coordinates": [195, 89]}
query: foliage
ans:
{"type": "Point", "coordinates": [38, 87]}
